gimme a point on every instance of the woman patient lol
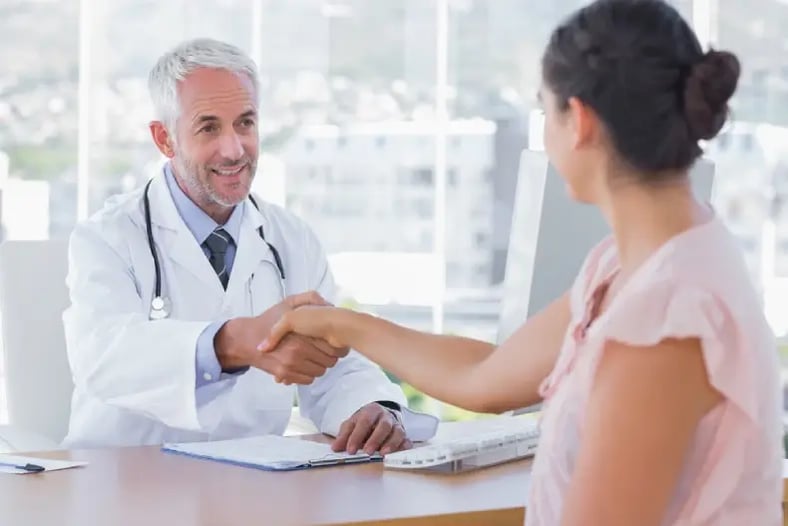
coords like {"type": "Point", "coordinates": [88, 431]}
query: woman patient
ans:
{"type": "Point", "coordinates": [658, 371]}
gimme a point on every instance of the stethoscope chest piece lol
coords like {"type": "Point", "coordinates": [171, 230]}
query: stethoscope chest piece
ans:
{"type": "Point", "coordinates": [159, 308]}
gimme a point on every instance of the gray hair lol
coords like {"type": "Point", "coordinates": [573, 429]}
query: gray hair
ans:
{"type": "Point", "coordinates": [178, 63]}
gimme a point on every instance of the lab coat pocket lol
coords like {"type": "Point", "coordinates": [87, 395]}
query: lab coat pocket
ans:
{"type": "Point", "coordinates": [263, 289]}
{"type": "Point", "coordinates": [259, 405]}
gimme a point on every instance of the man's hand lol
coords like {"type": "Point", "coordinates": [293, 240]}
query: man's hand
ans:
{"type": "Point", "coordinates": [321, 322]}
{"type": "Point", "coordinates": [296, 359]}
{"type": "Point", "coordinates": [371, 428]}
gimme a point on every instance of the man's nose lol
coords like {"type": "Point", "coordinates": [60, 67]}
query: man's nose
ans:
{"type": "Point", "coordinates": [230, 146]}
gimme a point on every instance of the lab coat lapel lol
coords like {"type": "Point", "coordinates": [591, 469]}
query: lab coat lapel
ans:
{"type": "Point", "coordinates": [174, 239]}
{"type": "Point", "coordinates": [252, 250]}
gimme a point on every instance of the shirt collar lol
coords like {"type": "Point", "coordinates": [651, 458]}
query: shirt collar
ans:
{"type": "Point", "coordinates": [198, 222]}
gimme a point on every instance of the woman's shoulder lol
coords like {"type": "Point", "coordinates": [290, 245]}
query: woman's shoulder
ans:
{"type": "Point", "coordinates": [708, 258]}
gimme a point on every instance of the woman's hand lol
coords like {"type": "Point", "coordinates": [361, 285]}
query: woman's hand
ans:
{"type": "Point", "coordinates": [320, 322]}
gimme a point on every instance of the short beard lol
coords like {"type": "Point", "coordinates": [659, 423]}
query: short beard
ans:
{"type": "Point", "coordinates": [203, 194]}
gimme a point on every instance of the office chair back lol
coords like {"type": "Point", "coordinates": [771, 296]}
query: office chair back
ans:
{"type": "Point", "coordinates": [33, 296]}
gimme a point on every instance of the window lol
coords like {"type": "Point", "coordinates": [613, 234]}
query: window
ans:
{"type": "Point", "coordinates": [493, 65]}
{"type": "Point", "coordinates": [39, 91]}
{"type": "Point", "coordinates": [423, 176]}
{"type": "Point", "coordinates": [39, 50]}
{"type": "Point", "coordinates": [759, 77]}
{"type": "Point", "coordinates": [349, 118]}
{"type": "Point", "coordinates": [747, 143]}
{"type": "Point", "coordinates": [422, 208]}
{"type": "Point", "coordinates": [367, 69]}
{"type": "Point", "coordinates": [451, 176]}
{"type": "Point", "coordinates": [723, 140]}
{"type": "Point", "coordinates": [760, 161]}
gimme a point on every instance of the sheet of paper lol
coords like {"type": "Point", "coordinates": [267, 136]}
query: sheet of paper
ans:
{"type": "Point", "coordinates": [267, 450]}
{"type": "Point", "coordinates": [46, 463]}
{"type": "Point", "coordinates": [785, 468]}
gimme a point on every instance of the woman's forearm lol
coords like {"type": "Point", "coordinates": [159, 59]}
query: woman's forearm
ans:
{"type": "Point", "coordinates": [467, 373]}
{"type": "Point", "coordinates": [440, 366]}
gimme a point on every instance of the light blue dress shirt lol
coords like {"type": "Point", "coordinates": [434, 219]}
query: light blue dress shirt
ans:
{"type": "Point", "coordinates": [200, 224]}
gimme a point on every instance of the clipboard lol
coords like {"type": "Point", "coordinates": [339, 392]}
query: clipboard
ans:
{"type": "Point", "coordinates": [269, 453]}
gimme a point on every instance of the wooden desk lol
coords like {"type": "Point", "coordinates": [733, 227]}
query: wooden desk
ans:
{"type": "Point", "coordinates": [143, 486]}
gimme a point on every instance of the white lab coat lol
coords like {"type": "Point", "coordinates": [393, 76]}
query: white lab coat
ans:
{"type": "Point", "coordinates": [135, 378]}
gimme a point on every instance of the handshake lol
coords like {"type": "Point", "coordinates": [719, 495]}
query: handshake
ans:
{"type": "Point", "coordinates": [296, 359]}
{"type": "Point", "coordinates": [297, 347]}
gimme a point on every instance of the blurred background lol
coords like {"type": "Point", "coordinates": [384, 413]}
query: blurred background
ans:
{"type": "Point", "coordinates": [394, 127]}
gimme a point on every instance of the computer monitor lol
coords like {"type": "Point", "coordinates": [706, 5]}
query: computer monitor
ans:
{"type": "Point", "coordinates": [550, 237]}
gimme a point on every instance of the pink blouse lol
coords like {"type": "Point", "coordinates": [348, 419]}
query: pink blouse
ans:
{"type": "Point", "coordinates": [696, 285]}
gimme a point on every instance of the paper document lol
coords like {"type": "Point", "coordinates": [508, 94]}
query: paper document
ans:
{"type": "Point", "coordinates": [270, 452]}
{"type": "Point", "coordinates": [20, 465]}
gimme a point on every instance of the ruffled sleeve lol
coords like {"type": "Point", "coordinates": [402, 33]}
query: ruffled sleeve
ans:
{"type": "Point", "coordinates": [666, 309]}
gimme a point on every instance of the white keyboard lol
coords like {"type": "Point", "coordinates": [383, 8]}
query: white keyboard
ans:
{"type": "Point", "coordinates": [478, 450]}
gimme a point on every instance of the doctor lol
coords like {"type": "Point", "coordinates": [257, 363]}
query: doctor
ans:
{"type": "Point", "coordinates": [173, 285]}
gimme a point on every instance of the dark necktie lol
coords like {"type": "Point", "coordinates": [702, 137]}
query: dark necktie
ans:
{"type": "Point", "coordinates": [217, 244]}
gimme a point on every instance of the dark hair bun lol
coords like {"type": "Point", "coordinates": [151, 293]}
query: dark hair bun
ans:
{"type": "Point", "coordinates": [709, 86]}
{"type": "Point", "coordinates": [640, 67]}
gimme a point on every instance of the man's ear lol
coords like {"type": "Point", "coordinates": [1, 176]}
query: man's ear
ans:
{"type": "Point", "coordinates": [162, 138]}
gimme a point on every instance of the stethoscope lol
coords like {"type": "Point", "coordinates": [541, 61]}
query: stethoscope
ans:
{"type": "Point", "coordinates": [159, 305]}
